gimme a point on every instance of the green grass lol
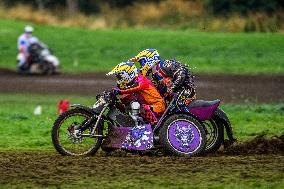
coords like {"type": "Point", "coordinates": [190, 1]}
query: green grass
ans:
{"type": "Point", "coordinates": [100, 50]}
{"type": "Point", "coordinates": [20, 129]}
{"type": "Point", "coordinates": [249, 120]}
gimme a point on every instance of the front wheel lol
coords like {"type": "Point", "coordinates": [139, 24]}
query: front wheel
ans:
{"type": "Point", "coordinates": [182, 135]}
{"type": "Point", "coordinates": [69, 139]}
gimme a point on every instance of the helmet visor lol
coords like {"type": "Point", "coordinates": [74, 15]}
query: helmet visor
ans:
{"type": "Point", "coordinates": [142, 62]}
{"type": "Point", "coordinates": [118, 76]}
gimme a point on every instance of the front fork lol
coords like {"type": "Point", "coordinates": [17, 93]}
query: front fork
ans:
{"type": "Point", "coordinates": [89, 122]}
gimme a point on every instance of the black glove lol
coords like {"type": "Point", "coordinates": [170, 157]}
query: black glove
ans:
{"type": "Point", "coordinates": [115, 91]}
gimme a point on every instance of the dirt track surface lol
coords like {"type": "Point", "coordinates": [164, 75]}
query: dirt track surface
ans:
{"type": "Point", "coordinates": [258, 160]}
{"type": "Point", "coordinates": [42, 169]}
{"type": "Point", "coordinates": [227, 88]}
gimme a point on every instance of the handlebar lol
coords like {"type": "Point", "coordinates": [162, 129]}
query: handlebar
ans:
{"type": "Point", "coordinates": [108, 96]}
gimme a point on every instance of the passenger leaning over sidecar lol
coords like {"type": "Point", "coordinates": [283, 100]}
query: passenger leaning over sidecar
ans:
{"type": "Point", "coordinates": [134, 86]}
{"type": "Point", "coordinates": [169, 76]}
{"type": "Point", "coordinates": [174, 77]}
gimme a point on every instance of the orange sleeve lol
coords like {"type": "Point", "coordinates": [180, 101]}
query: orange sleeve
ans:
{"type": "Point", "coordinates": [131, 90]}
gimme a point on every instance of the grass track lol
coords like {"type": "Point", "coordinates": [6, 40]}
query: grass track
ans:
{"type": "Point", "coordinates": [100, 50]}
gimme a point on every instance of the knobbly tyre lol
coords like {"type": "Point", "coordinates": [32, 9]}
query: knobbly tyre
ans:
{"type": "Point", "coordinates": [215, 124]}
{"type": "Point", "coordinates": [83, 130]}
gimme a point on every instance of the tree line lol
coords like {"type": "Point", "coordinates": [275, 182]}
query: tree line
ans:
{"type": "Point", "coordinates": [85, 6]}
{"type": "Point", "coordinates": [217, 7]}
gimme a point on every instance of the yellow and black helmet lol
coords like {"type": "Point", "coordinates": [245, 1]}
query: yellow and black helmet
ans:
{"type": "Point", "coordinates": [125, 73]}
{"type": "Point", "coordinates": [147, 58]}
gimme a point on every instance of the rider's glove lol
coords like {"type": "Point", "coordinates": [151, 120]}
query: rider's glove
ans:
{"type": "Point", "coordinates": [116, 91]}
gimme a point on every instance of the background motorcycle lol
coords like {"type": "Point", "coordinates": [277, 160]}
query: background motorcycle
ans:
{"type": "Point", "coordinates": [41, 60]}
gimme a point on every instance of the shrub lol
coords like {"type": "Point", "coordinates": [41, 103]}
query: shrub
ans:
{"type": "Point", "coordinates": [244, 7]}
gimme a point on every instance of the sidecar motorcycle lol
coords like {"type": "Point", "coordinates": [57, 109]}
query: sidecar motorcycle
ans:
{"type": "Point", "coordinates": [186, 131]}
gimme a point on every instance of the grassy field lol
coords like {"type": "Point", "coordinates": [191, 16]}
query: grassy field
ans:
{"type": "Point", "coordinates": [20, 129]}
{"type": "Point", "coordinates": [85, 50]}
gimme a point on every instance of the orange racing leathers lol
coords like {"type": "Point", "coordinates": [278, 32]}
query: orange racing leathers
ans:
{"type": "Point", "coordinates": [152, 103]}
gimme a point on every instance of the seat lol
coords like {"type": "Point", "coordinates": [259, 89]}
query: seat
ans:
{"type": "Point", "coordinates": [202, 103]}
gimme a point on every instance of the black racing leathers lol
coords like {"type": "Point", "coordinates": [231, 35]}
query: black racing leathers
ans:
{"type": "Point", "coordinates": [180, 76]}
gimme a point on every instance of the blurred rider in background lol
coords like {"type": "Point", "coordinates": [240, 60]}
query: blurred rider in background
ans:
{"type": "Point", "coordinates": [33, 52]}
{"type": "Point", "coordinates": [24, 42]}
{"type": "Point", "coordinates": [169, 76]}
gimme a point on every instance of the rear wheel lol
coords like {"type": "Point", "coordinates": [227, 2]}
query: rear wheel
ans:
{"type": "Point", "coordinates": [215, 135]}
{"type": "Point", "coordinates": [69, 139]}
{"type": "Point", "coordinates": [48, 68]}
{"type": "Point", "coordinates": [182, 135]}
